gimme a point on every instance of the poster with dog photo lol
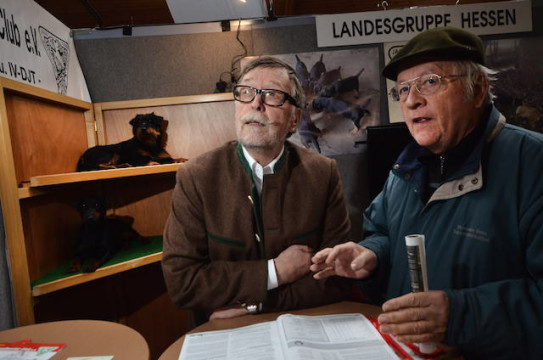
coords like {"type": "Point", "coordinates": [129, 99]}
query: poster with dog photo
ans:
{"type": "Point", "coordinates": [342, 90]}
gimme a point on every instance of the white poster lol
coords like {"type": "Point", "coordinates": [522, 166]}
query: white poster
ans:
{"type": "Point", "coordinates": [36, 49]}
{"type": "Point", "coordinates": [401, 25]}
{"type": "Point", "coordinates": [394, 110]}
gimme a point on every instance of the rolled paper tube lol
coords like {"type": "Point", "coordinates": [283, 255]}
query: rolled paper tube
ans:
{"type": "Point", "coordinates": [416, 260]}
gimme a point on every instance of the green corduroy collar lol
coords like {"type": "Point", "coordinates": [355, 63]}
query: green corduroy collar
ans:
{"type": "Point", "coordinates": [278, 165]}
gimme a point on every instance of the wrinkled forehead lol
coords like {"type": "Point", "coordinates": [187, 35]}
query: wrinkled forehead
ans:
{"type": "Point", "coordinates": [270, 77]}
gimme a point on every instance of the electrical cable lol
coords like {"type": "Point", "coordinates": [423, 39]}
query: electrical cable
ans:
{"type": "Point", "coordinates": [93, 13]}
{"type": "Point", "coordinates": [237, 58]}
{"type": "Point", "coordinates": [221, 85]}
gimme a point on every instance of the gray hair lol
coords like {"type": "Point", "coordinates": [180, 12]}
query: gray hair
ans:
{"type": "Point", "coordinates": [474, 72]}
{"type": "Point", "coordinates": [271, 62]}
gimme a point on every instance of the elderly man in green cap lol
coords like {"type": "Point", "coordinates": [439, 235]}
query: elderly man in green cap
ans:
{"type": "Point", "coordinates": [473, 185]}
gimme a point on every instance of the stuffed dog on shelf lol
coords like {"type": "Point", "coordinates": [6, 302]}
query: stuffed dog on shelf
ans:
{"type": "Point", "coordinates": [100, 237]}
{"type": "Point", "coordinates": [146, 147]}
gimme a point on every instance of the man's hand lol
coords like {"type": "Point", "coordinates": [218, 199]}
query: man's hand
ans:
{"type": "Point", "coordinates": [292, 264]}
{"type": "Point", "coordinates": [416, 317]}
{"type": "Point", "coordinates": [229, 312]}
{"type": "Point", "coordinates": [348, 260]}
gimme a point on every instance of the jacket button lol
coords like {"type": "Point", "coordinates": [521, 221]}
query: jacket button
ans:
{"type": "Point", "coordinates": [396, 166]}
{"type": "Point", "coordinates": [407, 176]}
{"type": "Point", "coordinates": [474, 181]}
{"type": "Point", "coordinates": [460, 187]}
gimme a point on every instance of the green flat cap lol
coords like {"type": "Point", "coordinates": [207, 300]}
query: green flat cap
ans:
{"type": "Point", "coordinates": [443, 43]}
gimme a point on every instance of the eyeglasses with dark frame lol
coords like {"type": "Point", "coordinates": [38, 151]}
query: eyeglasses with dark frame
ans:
{"type": "Point", "coordinates": [427, 84]}
{"type": "Point", "coordinates": [271, 97]}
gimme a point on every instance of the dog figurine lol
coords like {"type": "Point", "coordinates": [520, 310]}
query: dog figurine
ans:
{"type": "Point", "coordinates": [100, 237]}
{"type": "Point", "coordinates": [146, 147]}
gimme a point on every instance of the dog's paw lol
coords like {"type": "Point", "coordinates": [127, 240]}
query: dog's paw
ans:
{"type": "Point", "coordinates": [74, 267]}
{"type": "Point", "coordinates": [124, 165]}
{"type": "Point", "coordinates": [95, 264]}
{"type": "Point", "coordinates": [143, 240]}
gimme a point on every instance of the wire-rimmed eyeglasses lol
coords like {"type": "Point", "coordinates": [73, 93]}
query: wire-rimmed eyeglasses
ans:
{"type": "Point", "coordinates": [271, 97]}
{"type": "Point", "coordinates": [425, 84]}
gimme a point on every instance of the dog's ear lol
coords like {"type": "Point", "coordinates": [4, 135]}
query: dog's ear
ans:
{"type": "Point", "coordinates": [76, 203]}
{"type": "Point", "coordinates": [156, 120]}
{"type": "Point", "coordinates": [134, 121]}
{"type": "Point", "coordinates": [138, 120]}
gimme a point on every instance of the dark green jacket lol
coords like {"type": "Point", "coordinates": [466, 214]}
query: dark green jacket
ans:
{"type": "Point", "coordinates": [484, 241]}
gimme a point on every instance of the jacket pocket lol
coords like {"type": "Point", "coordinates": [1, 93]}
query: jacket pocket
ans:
{"type": "Point", "coordinates": [311, 238]}
{"type": "Point", "coordinates": [224, 248]}
{"type": "Point", "coordinates": [225, 241]}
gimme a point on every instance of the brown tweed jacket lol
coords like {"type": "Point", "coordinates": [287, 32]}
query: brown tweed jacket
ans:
{"type": "Point", "coordinates": [211, 256]}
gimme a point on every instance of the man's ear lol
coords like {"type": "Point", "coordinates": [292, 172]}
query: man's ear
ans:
{"type": "Point", "coordinates": [295, 118]}
{"type": "Point", "coordinates": [480, 91]}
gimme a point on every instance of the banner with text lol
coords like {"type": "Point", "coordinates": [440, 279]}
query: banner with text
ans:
{"type": "Point", "coordinates": [402, 25]}
{"type": "Point", "coordinates": [36, 49]}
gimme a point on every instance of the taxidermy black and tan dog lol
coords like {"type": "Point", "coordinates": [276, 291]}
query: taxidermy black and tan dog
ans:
{"type": "Point", "coordinates": [100, 237]}
{"type": "Point", "coordinates": [146, 147]}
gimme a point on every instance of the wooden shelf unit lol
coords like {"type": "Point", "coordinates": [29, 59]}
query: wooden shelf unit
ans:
{"type": "Point", "coordinates": [42, 135]}
{"type": "Point", "coordinates": [24, 132]}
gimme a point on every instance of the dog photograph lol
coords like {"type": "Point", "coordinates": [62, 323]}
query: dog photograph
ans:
{"type": "Point", "coordinates": [343, 93]}
{"type": "Point", "coordinates": [146, 147]}
{"type": "Point", "coordinates": [100, 237]}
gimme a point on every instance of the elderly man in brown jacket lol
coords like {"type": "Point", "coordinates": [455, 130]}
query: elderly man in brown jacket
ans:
{"type": "Point", "coordinates": [246, 217]}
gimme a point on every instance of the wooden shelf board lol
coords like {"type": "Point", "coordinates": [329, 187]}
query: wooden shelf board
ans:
{"type": "Point", "coordinates": [57, 179]}
{"type": "Point", "coordinates": [28, 192]}
{"type": "Point", "coordinates": [53, 281]}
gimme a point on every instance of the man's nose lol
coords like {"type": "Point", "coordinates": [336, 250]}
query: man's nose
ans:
{"type": "Point", "coordinates": [414, 97]}
{"type": "Point", "coordinates": [257, 103]}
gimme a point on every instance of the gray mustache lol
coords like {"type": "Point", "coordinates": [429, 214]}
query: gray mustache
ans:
{"type": "Point", "coordinates": [255, 116]}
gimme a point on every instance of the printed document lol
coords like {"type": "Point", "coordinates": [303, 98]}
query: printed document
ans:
{"type": "Point", "coordinates": [292, 337]}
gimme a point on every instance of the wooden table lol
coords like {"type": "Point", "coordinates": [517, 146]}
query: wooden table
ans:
{"type": "Point", "coordinates": [173, 351]}
{"type": "Point", "coordinates": [84, 338]}
{"type": "Point", "coordinates": [345, 307]}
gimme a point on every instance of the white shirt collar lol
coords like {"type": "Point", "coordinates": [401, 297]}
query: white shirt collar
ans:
{"type": "Point", "coordinates": [258, 170]}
